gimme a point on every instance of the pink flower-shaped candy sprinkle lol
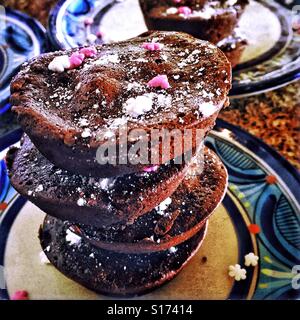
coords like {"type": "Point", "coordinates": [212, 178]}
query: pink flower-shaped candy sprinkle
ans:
{"type": "Point", "coordinates": [88, 21]}
{"type": "Point", "coordinates": [176, 1]}
{"type": "Point", "coordinates": [185, 10]}
{"type": "Point", "coordinates": [20, 295]}
{"type": "Point", "coordinates": [159, 81]}
{"type": "Point", "coordinates": [152, 46]}
{"type": "Point", "coordinates": [88, 52]}
{"type": "Point", "coordinates": [76, 60]}
{"type": "Point", "coordinates": [151, 169]}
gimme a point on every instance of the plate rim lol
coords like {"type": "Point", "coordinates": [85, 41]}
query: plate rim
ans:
{"type": "Point", "coordinates": [41, 35]}
{"type": "Point", "coordinates": [251, 141]}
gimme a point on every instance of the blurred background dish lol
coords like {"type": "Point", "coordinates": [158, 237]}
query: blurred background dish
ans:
{"type": "Point", "coordinates": [270, 60]}
{"type": "Point", "coordinates": [263, 101]}
{"type": "Point", "coordinates": [22, 38]}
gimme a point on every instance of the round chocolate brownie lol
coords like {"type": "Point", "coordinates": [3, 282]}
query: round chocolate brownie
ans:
{"type": "Point", "coordinates": [76, 105]}
{"type": "Point", "coordinates": [207, 20]}
{"type": "Point", "coordinates": [94, 201]}
{"type": "Point", "coordinates": [109, 272]}
{"type": "Point", "coordinates": [175, 220]}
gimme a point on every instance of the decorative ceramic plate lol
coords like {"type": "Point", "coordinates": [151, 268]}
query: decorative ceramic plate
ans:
{"type": "Point", "coordinates": [10, 131]}
{"type": "Point", "coordinates": [263, 193]}
{"type": "Point", "coordinates": [21, 38]}
{"type": "Point", "coordinates": [271, 59]}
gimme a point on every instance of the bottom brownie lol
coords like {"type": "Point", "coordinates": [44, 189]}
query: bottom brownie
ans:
{"type": "Point", "coordinates": [109, 272]}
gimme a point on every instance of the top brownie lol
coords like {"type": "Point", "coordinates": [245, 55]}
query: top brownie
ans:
{"type": "Point", "coordinates": [68, 111]}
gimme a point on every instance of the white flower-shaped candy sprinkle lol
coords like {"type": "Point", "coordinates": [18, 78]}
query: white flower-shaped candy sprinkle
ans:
{"type": "Point", "coordinates": [251, 259]}
{"type": "Point", "coordinates": [237, 272]}
{"type": "Point", "coordinates": [59, 64]}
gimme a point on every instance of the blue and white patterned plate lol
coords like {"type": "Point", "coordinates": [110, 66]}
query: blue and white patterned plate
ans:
{"type": "Point", "coordinates": [21, 38]}
{"type": "Point", "coordinates": [271, 59]}
{"type": "Point", "coordinates": [264, 189]}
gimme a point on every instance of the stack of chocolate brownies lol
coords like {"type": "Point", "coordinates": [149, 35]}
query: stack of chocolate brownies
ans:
{"type": "Point", "coordinates": [214, 21]}
{"type": "Point", "coordinates": [123, 227]}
